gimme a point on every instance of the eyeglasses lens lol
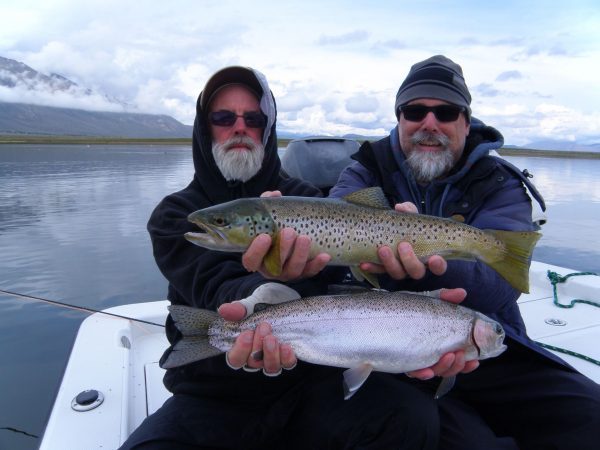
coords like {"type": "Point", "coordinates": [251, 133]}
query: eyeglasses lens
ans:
{"type": "Point", "coordinates": [443, 113]}
{"type": "Point", "coordinates": [252, 119]}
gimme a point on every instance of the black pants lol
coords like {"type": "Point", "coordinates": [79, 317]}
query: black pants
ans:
{"type": "Point", "coordinates": [383, 414]}
{"type": "Point", "coordinates": [521, 400]}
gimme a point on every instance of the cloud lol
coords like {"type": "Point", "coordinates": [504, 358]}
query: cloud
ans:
{"type": "Point", "coordinates": [294, 101]}
{"type": "Point", "coordinates": [509, 75]}
{"type": "Point", "coordinates": [486, 90]}
{"type": "Point", "coordinates": [390, 44]}
{"type": "Point", "coordinates": [521, 124]}
{"type": "Point", "coordinates": [341, 39]}
{"type": "Point", "coordinates": [326, 72]}
{"type": "Point", "coordinates": [361, 104]}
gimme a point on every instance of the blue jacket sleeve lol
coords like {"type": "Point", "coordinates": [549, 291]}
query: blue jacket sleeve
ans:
{"type": "Point", "coordinates": [353, 178]}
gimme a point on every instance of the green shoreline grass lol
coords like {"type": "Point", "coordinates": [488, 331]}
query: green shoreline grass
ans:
{"type": "Point", "coordinates": [87, 140]}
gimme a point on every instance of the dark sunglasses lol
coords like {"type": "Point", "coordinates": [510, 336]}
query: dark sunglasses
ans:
{"type": "Point", "coordinates": [443, 113]}
{"type": "Point", "coordinates": [224, 118]}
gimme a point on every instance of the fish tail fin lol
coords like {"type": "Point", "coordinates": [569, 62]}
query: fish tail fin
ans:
{"type": "Point", "coordinates": [514, 265]}
{"type": "Point", "coordinates": [273, 257]}
{"type": "Point", "coordinates": [193, 323]}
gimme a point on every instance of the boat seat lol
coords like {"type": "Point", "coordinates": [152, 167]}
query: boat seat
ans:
{"type": "Point", "coordinates": [318, 159]}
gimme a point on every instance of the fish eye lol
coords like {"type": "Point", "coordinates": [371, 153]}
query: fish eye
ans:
{"type": "Point", "coordinates": [220, 221]}
{"type": "Point", "coordinates": [498, 329]}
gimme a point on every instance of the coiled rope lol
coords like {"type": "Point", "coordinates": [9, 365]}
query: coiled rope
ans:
{"type": "Point", "coordinates": [556, 278]}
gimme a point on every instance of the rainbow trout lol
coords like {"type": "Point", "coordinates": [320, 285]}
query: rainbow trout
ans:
{"type": "Point", "coordinates": [382, 331]}
{"type": "Point", "coordinates": [353, 228]}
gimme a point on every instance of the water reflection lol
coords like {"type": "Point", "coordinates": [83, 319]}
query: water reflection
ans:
{"type": "Point", "coordinates": [571, 190]}
{"type": "Point", "coordinates": [563, 179]}
{"type": "Point", "coordinates": [72, 228]}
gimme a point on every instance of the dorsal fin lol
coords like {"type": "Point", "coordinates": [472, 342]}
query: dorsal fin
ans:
{"type": "Point", "coordinates": [372, 197]}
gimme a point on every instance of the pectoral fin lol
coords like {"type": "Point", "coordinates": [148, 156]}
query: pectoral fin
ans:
{"type": "Point", "coordinates": [445, 386]}
{"type": "Point", "coordinates": [354, 378]}
{"type": "Point", "coordinates": [273, 257]}
{"type": "Point", "coordinates": [361, 275]}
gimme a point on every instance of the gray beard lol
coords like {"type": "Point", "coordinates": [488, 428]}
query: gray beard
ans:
{"type": "Point", "coordinates": [238, 164]}
{"type": "Point", "coordinates": [427, 166]}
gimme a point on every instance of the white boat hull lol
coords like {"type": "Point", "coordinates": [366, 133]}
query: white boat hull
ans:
{"type": "Point", "coordinates": [119, 358]}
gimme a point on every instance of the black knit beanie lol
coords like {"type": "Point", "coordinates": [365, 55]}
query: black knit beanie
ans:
{"type": "Point", "coordinates": [437, 77]}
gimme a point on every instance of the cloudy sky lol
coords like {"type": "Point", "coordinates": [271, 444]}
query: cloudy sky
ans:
{"type": "Point", "coordinates": [533, 67]}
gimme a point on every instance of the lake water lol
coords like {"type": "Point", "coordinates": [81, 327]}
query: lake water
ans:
{"type": "Point", "coordinates": [73, 229]}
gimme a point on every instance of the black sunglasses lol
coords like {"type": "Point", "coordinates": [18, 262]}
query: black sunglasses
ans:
{"type": "Point", "coordinates": [443, 113]}
{"type": "Point", "coordinates": [224, 118]}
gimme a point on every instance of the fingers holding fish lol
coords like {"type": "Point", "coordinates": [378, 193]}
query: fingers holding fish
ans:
{"type": "Point", "coordinates": [232, 312]}
{"type": "Point", "coordinates": [294, 254]}
{"type": "Point", "coordinates": [449, 365]}
{"type": "Point", "coordinates": [271, 356]}
{"type": "Point", "coordinates": [406, 207]}
{"type": "Point", "coordinates": [409, 261]}
{"type": "Point", "coordinates": [405, 265]}
{"type": "Point", "coordinates": [437, 265]}
{"type": "Point", "coordinates": [315, 265]}
{"type": "Point", "coordinates": [277, 356]}
{"type": "Point", "coordinates": [258, 354]}
{"type": "Point", "coordinates": [288, 357]}
{"type": "Point", "coordinates": [294, 251]}
{"type": "Point", "coordinates": [271, 194]}
{"type": "Point", "coordinates": [239, 353]}
{"type": "Point", "coordinates": [253, 257]}
{"type": "Point", "coordinates": [295, 257]}
{"type": "Point", "coordinates": [456, 295]}
{"type": "Point", "coordinates": [260, 349]}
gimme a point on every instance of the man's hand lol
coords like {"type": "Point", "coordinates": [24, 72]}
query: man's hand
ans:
{"type": "Point", "coordinates": [273, 356]}
{"type": "Point", "coordinates": [407, 264]}
{"type": "Point", "coordinates": [294, 252]}
{"type": "Point", "coordinates": [449, 364]}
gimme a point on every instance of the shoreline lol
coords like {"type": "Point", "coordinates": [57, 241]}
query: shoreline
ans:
{"type": "Point", "coordinates": [283, 142]}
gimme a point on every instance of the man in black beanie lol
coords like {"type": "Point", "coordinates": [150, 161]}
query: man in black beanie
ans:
{"type": "Point", "coordinates": [437, 161]}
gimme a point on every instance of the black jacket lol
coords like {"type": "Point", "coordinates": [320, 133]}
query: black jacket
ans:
{"type": "Point", "coordinates": [206, 278]}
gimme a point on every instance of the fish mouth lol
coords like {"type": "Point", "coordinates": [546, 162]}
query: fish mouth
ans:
{"type": "Point", "coordinates": [206, 238]}
{"type": "Point", "coordinates": [210, 237]}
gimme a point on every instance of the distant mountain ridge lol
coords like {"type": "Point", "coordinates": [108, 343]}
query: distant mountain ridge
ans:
{"type": "Point", "coordinates": [35, 119]}
{"type": "Point", "coordinates": [19, 118]}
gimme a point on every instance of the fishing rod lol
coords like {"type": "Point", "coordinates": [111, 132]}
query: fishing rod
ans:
{"type": "Point", "coordinates": [75, 307]}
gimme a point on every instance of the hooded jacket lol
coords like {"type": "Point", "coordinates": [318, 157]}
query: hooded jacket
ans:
{"type": "Point", "coordinates": [205, 278]}
{"type": "Point", "coordinates": [483, 189]}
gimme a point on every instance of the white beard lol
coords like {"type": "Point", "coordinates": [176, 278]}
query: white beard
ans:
{"type": "Point", "coordinates": [238, 164]}
{"type": "Point", "coordinates": [427, 166]}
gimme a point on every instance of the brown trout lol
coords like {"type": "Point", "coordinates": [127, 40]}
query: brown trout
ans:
{"type": "Point", "coordinates": [353, 228]}
{"type": "Point", "coordinates": [382, 331]}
